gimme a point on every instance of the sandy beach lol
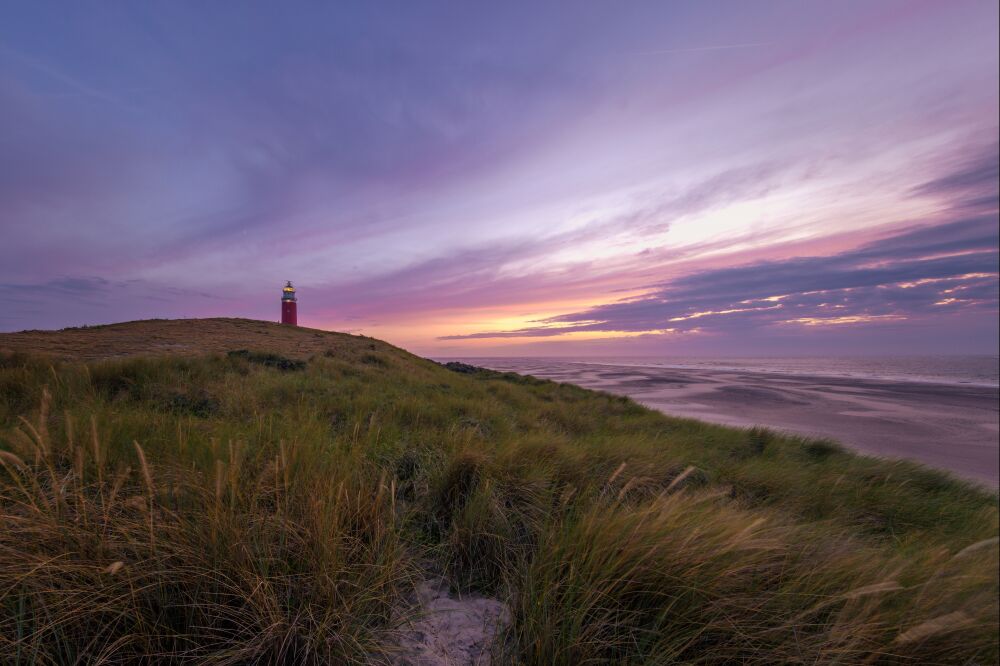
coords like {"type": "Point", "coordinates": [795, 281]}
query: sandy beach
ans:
{"type": "Point", "coordinates": [950, 426]}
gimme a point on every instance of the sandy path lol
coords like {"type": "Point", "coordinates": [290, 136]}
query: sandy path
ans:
{"type": "Point", "coordinates": [953, 427]}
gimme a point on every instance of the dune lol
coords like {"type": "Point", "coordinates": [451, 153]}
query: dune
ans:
{"type": "Point", "coordinates": [232, 491]}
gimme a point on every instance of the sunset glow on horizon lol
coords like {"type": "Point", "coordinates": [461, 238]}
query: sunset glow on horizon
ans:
{"type": "Point", "coordinates": [661, 178]}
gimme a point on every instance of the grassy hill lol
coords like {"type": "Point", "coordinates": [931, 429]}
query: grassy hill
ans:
{"type": "Point", "coordinates": [233, 491]}
{"type": "Point", "coordinates": [180, 337]}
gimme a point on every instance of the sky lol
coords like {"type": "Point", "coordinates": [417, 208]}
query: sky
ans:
{"type": "Point", "coordinates": [476, 179]}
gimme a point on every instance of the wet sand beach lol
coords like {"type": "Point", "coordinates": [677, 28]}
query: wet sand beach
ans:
{"type": "Point", "coordinates": [950, 426]}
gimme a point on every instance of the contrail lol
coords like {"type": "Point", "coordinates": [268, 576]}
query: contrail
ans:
{"type": "Point", "coordinates": [721, 47]}
{"type": "Point", "coordinates": [79, 87]}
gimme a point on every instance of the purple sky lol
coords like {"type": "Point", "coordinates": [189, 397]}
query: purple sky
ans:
{"type": "Point", "coordinates": [504, 178]}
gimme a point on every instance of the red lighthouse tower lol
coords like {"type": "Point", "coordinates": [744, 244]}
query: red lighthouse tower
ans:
{"type": "Point", "coordinates": [289, 305]}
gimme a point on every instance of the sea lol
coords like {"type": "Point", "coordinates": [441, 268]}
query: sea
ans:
{"type": "Point", "coordinates": [967, 370]}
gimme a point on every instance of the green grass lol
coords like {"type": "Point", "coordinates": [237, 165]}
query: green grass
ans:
{"type": "Point", "coordinates": [228, 508]}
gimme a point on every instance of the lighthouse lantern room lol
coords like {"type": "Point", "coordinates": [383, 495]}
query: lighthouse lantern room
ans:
{"type": "Point", "coordinates": [289, 305]}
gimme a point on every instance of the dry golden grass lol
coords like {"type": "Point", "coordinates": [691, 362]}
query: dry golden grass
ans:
{"type": "Point", "coordinates": [292, 560]}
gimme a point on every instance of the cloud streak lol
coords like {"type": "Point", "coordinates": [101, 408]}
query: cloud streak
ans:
{"type": "Point", "coordinates": [929, 270]}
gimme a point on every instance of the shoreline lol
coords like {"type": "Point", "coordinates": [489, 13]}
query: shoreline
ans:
{"type": "Point", "coordinates": [639, 362]}
{"type": "Point", "coordinates": [953, 427]}
{"type": "Point", "coordinates": [818, 375]}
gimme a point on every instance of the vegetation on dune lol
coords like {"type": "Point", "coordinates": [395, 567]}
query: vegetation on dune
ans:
{"type": "Point", "coordinates": [255, 505]}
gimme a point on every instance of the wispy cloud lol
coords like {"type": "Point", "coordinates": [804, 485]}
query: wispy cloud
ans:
{"type": "Point", "coordinates": [695, 49]}
{"type": "Point", "coordinates": [927, 270]}
{"type": "Point", "coordinates": [974, 181]}
{"type": "Point", "coordinates": [74, 300]}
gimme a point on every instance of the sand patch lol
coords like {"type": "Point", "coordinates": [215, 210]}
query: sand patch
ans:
{"type": "Point", "coordinates": [448, 630]}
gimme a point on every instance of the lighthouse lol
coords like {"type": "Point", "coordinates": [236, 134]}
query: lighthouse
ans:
{"type": "Point", "coordinates": [289, 315]}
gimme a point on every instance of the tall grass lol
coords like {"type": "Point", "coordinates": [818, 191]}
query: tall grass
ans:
{"type": "Point", "coordinates": [284, 558]}
{"type": "Point", "coordinates": [688, 579]}
{"type": "Point", "coordinates": [239, 509]}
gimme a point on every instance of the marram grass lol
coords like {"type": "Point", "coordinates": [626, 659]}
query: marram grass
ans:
{"type": "Point", "coordinates": [220, 509]}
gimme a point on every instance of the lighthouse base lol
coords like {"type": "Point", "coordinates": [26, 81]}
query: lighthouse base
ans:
{"type": "Point", "coordinates": [289, 314]}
